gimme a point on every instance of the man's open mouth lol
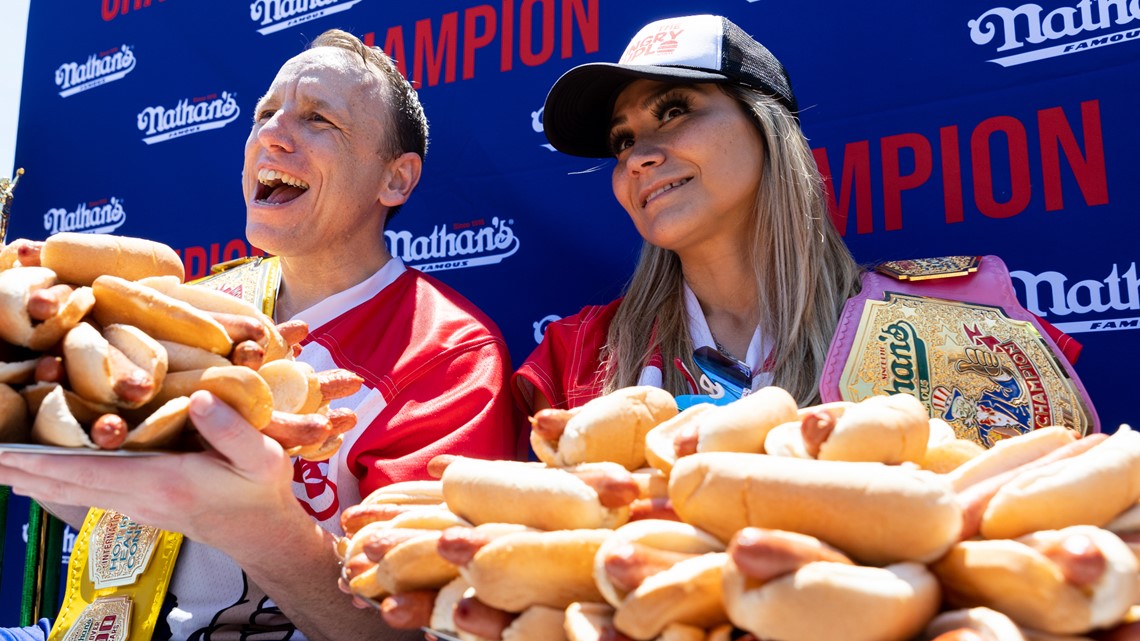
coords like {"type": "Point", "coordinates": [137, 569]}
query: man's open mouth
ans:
{"type": "Point", "coordinates": [277, 187]}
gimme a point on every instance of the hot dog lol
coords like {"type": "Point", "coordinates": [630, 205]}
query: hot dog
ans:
{"type": "Point", "coordinates": [401, 554]}
{"type": "Point", "coordinates": [477, 621]}
{"type": "Point", "coordinates": [983, 624]}
{"type": "Point", "coordinates": [14, 426]}
{"type": "Point", "coordinates": [1066, 581]}
{"type": "Point", "coordinates": [656, 573]}
{"type": "Point", "coordinates": [594, 622]}
{"type": "Point", "coordinates": [518, 570]}
{"type": "Point", "coordinates": [946, 452]}
{"type": "Point", "coordinates": [1051, 492]}
{"type": "Point", "coordinates": [81, 258]}
{"type": "Point", "coordinates": [162, 317]}
{"type": "Point", "coordinates": [541, 497]}
{"type": "Point", "coordinates": [821, 600]}
{"type": "Point", "coordinates": [885, 429]}
{"type": "Point", "coordinates": [294, 385]}
{"type": "Point", "coordinates": [875, 513]}
{"type": "Point", "coordinates": [65, 419]}
{"type": "Point", "coordinates": [17, 287]}
{"type": "Point", "coordinates": [609, 428]}
{"type": "Point", "coordinates": [122, 366]}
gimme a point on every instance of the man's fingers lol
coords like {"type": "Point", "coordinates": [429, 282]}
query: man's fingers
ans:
{"type": "Point", "coordinates": [230, 434]}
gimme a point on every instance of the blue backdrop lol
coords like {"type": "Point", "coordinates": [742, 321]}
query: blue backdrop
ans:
{"type": "Point", "coordinates": [968, 127]}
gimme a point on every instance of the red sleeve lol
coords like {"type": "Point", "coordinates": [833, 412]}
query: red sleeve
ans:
{"type": "Point", "coordinates": [456, 403]}
{"type": "Point", "coordinates": [566, 365]}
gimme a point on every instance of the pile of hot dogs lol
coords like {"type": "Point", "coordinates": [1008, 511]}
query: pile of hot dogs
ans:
{"type": "Point", "coordinates": [101, 345]}
{"type": "Point", "coordinates": [757, 521]}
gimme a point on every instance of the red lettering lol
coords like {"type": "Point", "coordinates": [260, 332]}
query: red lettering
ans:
{"type": "Point", "coordinates": [856, 178]}
{"type": "Point", "coordinates": [112, 9]}
{"type": "Point", "coordinates": [894, 183]}
{"type": "Point", "coordinates": [1089, 170]}
{"type": "Point", "coordinates": [394, 47]}
{"type": "Point", "coordinates": [526, 27]}
{"type": "Point", "coordinates": [472, 41]}
{"type": "Point", "coordinates": [443, 56]}
{"type": "Point", "coordinates": [507, 61]}
{"type": "Point", "coordinates": [573, 11]}
{"type": "Point", "coordinates": [236, 248]}
{"type": "Point", "coordinates": [1020, 187]}
{"type": "Point", "coordinates": [951, 174]}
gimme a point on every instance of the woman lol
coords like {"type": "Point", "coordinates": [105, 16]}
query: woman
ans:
{"type": "Point", "coordinates": [742, 276]}
{"type": "Point", "coordinates": [744, 282]}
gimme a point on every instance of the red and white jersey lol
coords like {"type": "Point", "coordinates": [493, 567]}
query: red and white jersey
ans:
{"type": "Point", "coordinates": [434, 370]}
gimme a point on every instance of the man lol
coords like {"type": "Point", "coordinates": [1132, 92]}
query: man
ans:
{"type": "Point", "coordinates": [336, 148]}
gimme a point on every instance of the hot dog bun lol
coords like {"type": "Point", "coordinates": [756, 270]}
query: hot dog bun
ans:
{"type": "Point", "coordinates": [609, 428]}
{"type": "Point", "coordinates": [660, 442]}
{"type": "Point", "coordinates": [540, 497]}
{"type": "Point", "coordinates": [159, 315]}
{"type": "Point", "coordinates": [688, 591]}
{"type": "Point", "coordinates": [294, 386]}
{"type": "Point", "coordinates": [14, 425]}
{"type": "Point", "coordinates": [100, 376]}
{"type": "Point", "coordinates": [81, 258]}
{"type": "Point", "coordinates": [594, 622]}
{"type": "Point", "coordinates": [826, 601]}
{"type": "Point", "coordinates": [516, 571]}
{"type": "Point", "coordinates": [876, 513]}
{"type": "Point", "coordinates": [1009, 453]}
{"type": "Point", "coordinates": [411, 564]}
{"type": "Point", "coordinates": [1023, 579]}
{"type": "Point", "coordinates": [240, 387]}
{"type": "Point", "coordinates": [16, 325]}
{"type": "Point", "coordinates": [990, 625]}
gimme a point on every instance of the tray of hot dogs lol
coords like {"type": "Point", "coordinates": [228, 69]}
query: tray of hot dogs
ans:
{"type": "Point", "coordinates": [102, 344]}
{"type": "Point", "coordinates": [760, 520]}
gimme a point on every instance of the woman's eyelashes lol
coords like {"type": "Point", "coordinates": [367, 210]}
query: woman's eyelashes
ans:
{"type": "Point", "coordinates": [663, 109]}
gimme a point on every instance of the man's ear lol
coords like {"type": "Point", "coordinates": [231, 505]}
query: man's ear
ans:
{"type": "Point", "coordinates": [400, 179]}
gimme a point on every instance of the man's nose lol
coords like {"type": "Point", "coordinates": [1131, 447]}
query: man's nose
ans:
{"type": "Point", "coordinates": [276, 132]}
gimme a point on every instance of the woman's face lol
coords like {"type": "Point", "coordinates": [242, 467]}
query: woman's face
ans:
{"type": "Point", "coordinates": [689, 162]}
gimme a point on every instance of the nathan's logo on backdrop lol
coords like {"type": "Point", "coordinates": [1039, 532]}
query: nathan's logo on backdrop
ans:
{"type": "Point", "coordinates": [1055, 294]}
{"type": "Point", "coordinates": [472, 244]}
{"type": "Point", "coordinates": [541, 324]}
{"type": "Point", "coordinates": [1031, 33]}
{"type": "Point", "coordinates": [189, 116]}
{"type": "Point", "coordinates": [275, 15]}
{"type": "Point", "coordinates": [99, 69]}
{"type": "Point", "coordinates": [98, 217]}
{"type": "Point", "coordinates": [536, 125]}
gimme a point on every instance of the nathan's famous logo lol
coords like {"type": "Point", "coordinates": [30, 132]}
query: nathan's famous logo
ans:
{"type": "Point", "coordinates": [1028, 31]}
{"type": "Point", "coordinates": [275, 15]}
{"type": "Point", "coordinates": [472, 244]}
{"type": "Point", "coordinates": [541, 324]}
{"type": "Point", "coordinates": [536, 125]}
{"type": "Point", "coordinates": [189, 116]}
{"type": "Point", "coordinates": [99, 217]}
{"type": "Point", "coordinates": [1055, 295]}
{"type": "Point", "coordinates": [99, 69]}
{"type": "Point", "coordinates": [906, 365]}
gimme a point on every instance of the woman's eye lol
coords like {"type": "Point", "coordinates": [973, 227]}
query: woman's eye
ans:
{"type": "Point", "coordinates": [619, 144]}
{"type": "Point", "coordinates": [672, 112]}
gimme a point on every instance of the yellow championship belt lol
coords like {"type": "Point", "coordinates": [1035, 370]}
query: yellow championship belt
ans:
{"type": "Point", "coordinates": [119, 570]}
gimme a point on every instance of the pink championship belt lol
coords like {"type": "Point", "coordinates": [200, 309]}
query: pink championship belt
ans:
{"type": "Point", "coordinates": [951, 332]}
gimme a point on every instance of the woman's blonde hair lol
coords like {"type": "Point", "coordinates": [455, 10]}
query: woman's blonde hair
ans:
{"type": "Point", "coordinates": [803, 270]}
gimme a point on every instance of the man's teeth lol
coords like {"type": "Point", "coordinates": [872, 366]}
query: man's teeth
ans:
{"type": "Point", "coordinates": [658, 192]}
{"type": "Point", "coordinates": [271, 176]}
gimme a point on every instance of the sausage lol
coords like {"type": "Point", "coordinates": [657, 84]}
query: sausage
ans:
{"type": "Point", "coordinates": [654, 508]}
{"type": "Point", "coordinates": [357, 516]}
{"type": "Point", "coordinates": [629, 564]}
{"type": "Point", "coordinates": [342, 419]}
{"type": "Point", "coordinates": [615, 487]}
{"type": "Point", "coordinates": [248, 354]}
{"type": "Point", "coordinates": [129, 382]}
{"type": "Point", "coordinates": [438, 464]}
{"type": "Point", "coordinates": [975, 498]}
{"type": "Point", "coordinates": [814, 429]}
{"type": "Point", "coordinates": [357, 565]}
{"type": "Point", "coordinates": [338, 383]}
{"type": "Point", "coordinates": [458, 545]}
{"type": "Point", "coordinates": [242, 328]}
{"type": "Point", "coordinates": [45, 303]}
{"type": "Point", "coordinates": [49, 369]}
{"type": "Point", "coordinates": [379, 542]}
{"type": "Point", "coordinates": [28, 252]}
{"type": "Point", "coordinates": [961, 634]}
{"type": "Point", "coordinates": [295, 430]}
{"type": "Point", "coordinates": [1081, 562]}
{"type": "Point", "coordinates": [109, 432]}
{"type": "Point", "coordinates": [550, 423]}
{"type": "Point", "coordinates": [293, 331]}
{"type": "Point", "coordinates": [408, 610]}
{"type": "Point", "coordinates": [475, 617]}
{"type": "Point", "coordinates": [686, 439]}
{"type": "Point", "coordinates": [765, 555]}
